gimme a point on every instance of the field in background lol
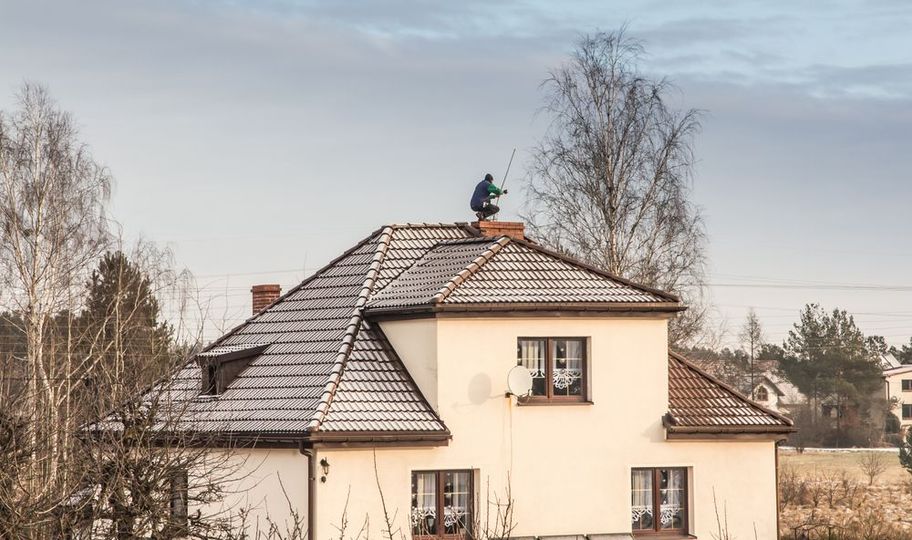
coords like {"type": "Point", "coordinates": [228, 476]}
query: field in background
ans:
{"type": "Point", "coordinates": [837, 461]}
{"type": "Point", "coordinates": [828, 496]}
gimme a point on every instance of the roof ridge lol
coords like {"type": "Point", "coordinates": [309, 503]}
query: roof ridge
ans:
{"type": "Point", "coordinates": [469, 270]}
{"type": "Point", "coordinates": [351, 331]}
{"type": "Point", "coordinates": [738, 395]}
{"type": "Point", "coordinates": [422, 225]}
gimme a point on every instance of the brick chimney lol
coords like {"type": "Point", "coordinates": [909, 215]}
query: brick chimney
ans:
{"type": "Point", "coordinates": [513, 229]}
{"type": "Point", "coordinates": [263, 295]}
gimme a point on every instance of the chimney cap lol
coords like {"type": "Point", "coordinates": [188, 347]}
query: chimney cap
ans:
{"type": "Point", "coordinates": [266, 287]}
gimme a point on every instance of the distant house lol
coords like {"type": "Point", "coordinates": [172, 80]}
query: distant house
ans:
{"type": "Point", "coordinates": [898, 388]}
{"type": "Point", "coordinates": [778, 394]}
{"type": "Point", "coordinates": [390, 366]}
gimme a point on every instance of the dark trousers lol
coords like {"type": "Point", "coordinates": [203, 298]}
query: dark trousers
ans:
{"type": "Point", "coordinates": [486, 210]}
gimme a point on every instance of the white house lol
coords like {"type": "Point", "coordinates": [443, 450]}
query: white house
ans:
{"type": "Point", "coordinates": [898, 388]}
{"type": "Point", "coordinates": [389, 366]}
{"type": "Point", "coordinates": [777, 394]}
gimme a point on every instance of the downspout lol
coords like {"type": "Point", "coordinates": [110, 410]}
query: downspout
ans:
{"type": "Point", "coordinates": [311, 491]}
{"type": "Point", "coordinates": [776, 450]}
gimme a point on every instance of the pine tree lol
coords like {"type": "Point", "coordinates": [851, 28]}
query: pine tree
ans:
{"type": "Point", "coordinates": [122, 324]}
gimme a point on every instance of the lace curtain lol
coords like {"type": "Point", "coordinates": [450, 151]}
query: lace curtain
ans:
{"type": "Point", "coordinates": [532, 356]}
{"type": "Point", "coordinates": [567, 371]}
{"type": "Point", "coordinates": [672, 498]}
{"type": "Point", "coordinates": [424, 504]}
{"type": "Point", "coordinates": [641, 499]}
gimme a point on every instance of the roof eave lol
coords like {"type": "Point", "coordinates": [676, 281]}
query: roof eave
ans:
{"type": "Point", "coordinates": [673, 431]}
{"type": "Point", "coordinates": [347, 439]}
{"type": "Point", "coordinates": [430, 310]}
{"type": "Point", "coordinates": [726, 436]}
{"type": "Point", "coordinates": [296, 439]}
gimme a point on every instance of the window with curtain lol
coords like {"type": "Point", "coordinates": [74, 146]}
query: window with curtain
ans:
{"type": "Point", "coordinates": [557, 366]}
{"type": "Point", "coordinates": [658, 500]}
{"type": "Point", "coordinates": [441, 504]}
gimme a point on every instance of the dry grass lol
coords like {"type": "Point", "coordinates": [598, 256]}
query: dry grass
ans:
{"type": "Point", "coordinates": [839, 462]}
{"type": "Point", "coordinates": [827, 496]}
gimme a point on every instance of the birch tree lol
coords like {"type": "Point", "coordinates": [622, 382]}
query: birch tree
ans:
{"type": "Point", "coordinates": [53, 198]}
{"type": "Point", "coordinates": [611, 180]}
{"type": "Point", "coordinates": [752, 341]}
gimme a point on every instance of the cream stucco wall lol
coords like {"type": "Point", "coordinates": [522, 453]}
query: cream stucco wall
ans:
{"type": "Point", "coordinates": [266, 482]}
{"type": "Point", "coordinates": [416, 343]}
{"type": "Point", "coordinates": [569, 465]}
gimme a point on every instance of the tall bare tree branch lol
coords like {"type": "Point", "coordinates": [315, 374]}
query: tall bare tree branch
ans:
{"type": "Point", "coordinates": [611, 180]}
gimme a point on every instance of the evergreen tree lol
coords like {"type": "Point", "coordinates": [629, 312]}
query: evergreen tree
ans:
{"type": "Point", "coordinates": [122, 324]}
{"type": "Point", "coordinates": [904, 354]}
{"type": "Point", "coordinates": [828, 357]}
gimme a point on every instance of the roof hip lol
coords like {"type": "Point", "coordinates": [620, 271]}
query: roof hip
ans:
{"type": "Point", "coordinates": [351, 331]}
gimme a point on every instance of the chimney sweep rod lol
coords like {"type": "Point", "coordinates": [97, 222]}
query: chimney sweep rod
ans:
{"type": "Point", "coordinates": [504, 182]}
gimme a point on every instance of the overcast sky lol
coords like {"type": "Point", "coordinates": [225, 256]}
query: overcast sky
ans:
{"type": "Point", "coordinates": [260, 139]}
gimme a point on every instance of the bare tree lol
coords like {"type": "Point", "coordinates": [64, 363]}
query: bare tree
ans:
{"type": "Point", "coordinates": [873, 464]}
{"type": "Point", "coordinates": [53, 197]}
{"type": "Point", "coordinates": [752, 339]}
{"type": "Point", "coordinates": [610, 181]}
{"type": "Point", "coordinates": [90, 444]}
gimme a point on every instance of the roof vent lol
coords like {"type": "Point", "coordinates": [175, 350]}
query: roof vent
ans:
{"type": "Point", "coordinates": [513, 229]}
{"type": "Point", "coordinates": [264, 295]}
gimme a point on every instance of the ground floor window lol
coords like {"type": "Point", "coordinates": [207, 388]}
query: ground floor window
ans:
{"type": "Point", "coordinates": [906, 411]}
{"type": "Point", "coordinates": [179, 509]}
{"type": "Point", "coordinates": [441, 503]}
{"type": "Point", "coordinates": [659, 500]}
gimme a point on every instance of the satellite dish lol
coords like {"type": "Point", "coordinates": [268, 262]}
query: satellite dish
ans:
{"type": "Point", "coordinates": [519, 381]}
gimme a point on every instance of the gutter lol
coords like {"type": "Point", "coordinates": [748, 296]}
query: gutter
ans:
{"type": "Point", "coordinates": [550, 308]}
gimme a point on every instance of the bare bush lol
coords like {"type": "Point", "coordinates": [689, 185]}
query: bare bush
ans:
{"type": "Point", "coordinates": [872, 465]}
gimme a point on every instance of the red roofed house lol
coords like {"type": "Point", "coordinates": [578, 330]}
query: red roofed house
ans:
{"type": "Point", "coordinates": [397, 353]}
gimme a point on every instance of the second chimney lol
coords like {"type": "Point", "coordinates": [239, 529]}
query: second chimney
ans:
{"type": "Point", "coordinates": [513, 229]}
{"type": "Point", "coordinates": [264, 295]}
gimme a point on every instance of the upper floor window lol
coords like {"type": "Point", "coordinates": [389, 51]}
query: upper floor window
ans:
{"type": "Point", "coordinates": [659, 500]}
{"type": "Point", "coordinates": [907, 385]}
{"type": "Point", "coordinates": [210, 380]}
{"type": "Point", "coordinates": [441, 504]}
{"type": "Point", "coordinates": [762, 394]}
{"type": "Point", "coordinates": [558, 367]}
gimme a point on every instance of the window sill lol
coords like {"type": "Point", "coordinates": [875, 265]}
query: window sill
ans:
{"type": "Point", "coordinates": [551, 403]}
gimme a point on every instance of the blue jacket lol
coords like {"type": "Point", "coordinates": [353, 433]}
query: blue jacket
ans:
{"type": "Point", "coordinates": [483, 191]}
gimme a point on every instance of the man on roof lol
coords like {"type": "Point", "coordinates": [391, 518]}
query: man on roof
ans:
{"type": "Point", "coordinates": [481, 198]}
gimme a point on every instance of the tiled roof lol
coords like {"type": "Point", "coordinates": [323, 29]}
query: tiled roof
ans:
{"type": "Point", "coordinates": [507, 271]}
{"type": "Point", "coordinates": [315, 333]}
{"type": "Point", "coordinates": [321, 368]}
{"type": "Point", "coordinates": [698, 403]}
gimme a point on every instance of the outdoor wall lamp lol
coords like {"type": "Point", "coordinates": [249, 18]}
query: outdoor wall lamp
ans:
{"type": "Point", "coordinates": [325, 466]}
